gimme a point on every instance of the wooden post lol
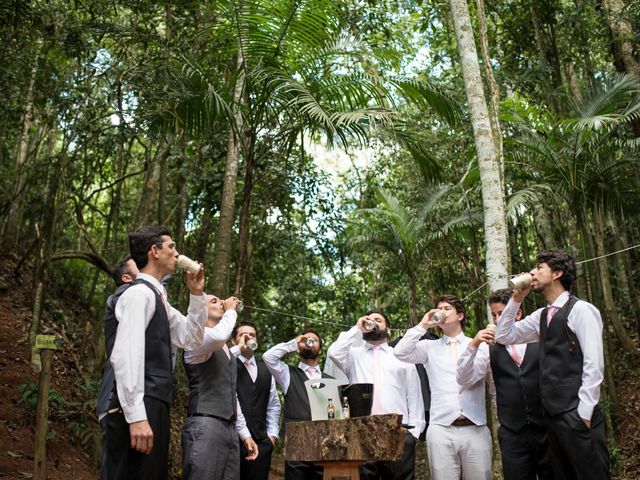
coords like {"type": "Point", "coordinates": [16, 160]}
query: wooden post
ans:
{"type": "Point", "coordinates": [47, 343]}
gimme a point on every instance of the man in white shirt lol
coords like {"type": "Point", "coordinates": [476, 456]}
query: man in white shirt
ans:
{"type": "Point", "coordinates": [571, 366]}
{"type": "Point", "coordinates": [396, 387]}
{"type": "Point", "coordinates": [291, 381]}
{"type": "Point", "coordinates": [516, 375]}
{"type": "Point", "coordinates": [137, 439]}
{"type": "Point", "coordinates": [458, 440]}
{"type": "Point", "coordinates": [210, 446]}
{"type": "Point", "coordinates": [259, 400]}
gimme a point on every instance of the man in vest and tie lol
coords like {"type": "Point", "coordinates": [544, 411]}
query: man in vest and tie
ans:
{"type": "Point", "coordinates": [571, 366]}
{"type": "Point", "coordinates": [210, 446]}
{"type": "Point", "coordinates": [139, 343]}
{"type": "Point", "coordinates": [291, 381]}
{"type": "Point", "coordinates": [516, 374]}
{"type": "Point", "coordinates": [458, 440]}
{"type": "Point", "coordinates": [259, 400]}
{"type": "Point", "coordinates": [396, 387]}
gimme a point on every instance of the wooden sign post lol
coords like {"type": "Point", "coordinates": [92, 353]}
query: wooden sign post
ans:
{"type": "Point", "coordinates": [341, 446]}
{"type": "Point", "coordinates": [47, 344]}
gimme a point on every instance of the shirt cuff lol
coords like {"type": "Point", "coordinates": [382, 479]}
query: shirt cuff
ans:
{"type": "Point", "coordinates": [235, 351]}
{"type": "Point", "coordinates": [291, 346]}
{"type": "Point", "coordinates": [420, 328]}
{"type": "Point", "coordinates": [273, 434]}
{"type": "Point", "coordinates": [244, 434]}
{"type": "Point", "coordinates": [585, 411]}
{"type": "Point", "coordinates": [135, 413]}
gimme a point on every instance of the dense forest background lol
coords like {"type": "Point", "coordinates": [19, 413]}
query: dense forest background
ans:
{"type": "Point", "coordinates": [319, 158]}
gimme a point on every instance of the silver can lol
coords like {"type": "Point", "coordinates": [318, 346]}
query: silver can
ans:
{"type": "Point", "coordinates": [438, 317]}
{"type": "Point", "coordinates": [370, 325]}
{"type": "Point", "coordinates": [239, 306]}
{"type": "Point", "coordinates": [186, 264]}
{"type": "Point", "coordinates": [520, 282]}
{"type": "Point", "coordinates": [252, 343]}
{"type": "Point", "coordinates": [310, 342]}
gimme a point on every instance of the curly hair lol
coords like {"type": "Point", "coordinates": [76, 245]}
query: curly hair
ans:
{"type": "Point", "coordinates": [560, 262]}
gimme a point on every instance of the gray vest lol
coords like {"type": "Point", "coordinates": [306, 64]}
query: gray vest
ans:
{"type": "Point", "coordinates": [213, 386]}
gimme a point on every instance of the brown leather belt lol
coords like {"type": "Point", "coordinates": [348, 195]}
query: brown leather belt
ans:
{"type": "Point", "coordinates": [462, 422]}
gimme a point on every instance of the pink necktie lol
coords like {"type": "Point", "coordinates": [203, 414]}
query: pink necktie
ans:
{"type": "Point", "coordinates": [515, 355]}
{"type": "Point", "coordinates": [311, 371]}
{"type": "Point", "coordinates": [249, 366]}
{"type": "Point", "coordinates": [551, 311]}
{"type": "Point", "coordinates": [376, 407]}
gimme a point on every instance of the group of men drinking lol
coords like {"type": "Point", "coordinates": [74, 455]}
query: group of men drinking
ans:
{"type": "Point", "coordinates": [546, 368]}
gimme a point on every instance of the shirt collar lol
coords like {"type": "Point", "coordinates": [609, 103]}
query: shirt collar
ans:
{"type": "Point", "coordinates": [152, 280]}
{"type": "Point", "coordinates": [304, 367]}
{"type": "Point", "coordinates": [458, 337]}
{"type": "Point", "coordinates": [561, 300]}
{"type": "Point", "coordinates": [244, 359]}
{"type": "Point", "coordinates": [384, 346]}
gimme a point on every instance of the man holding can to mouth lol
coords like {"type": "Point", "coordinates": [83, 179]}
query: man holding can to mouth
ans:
{"type": "Point", "coordinates": [571, 366]}
{"type": "Point", "coordinates": [396, 387]}
{"type": "Point", "coordinates": [259, 400]}
{"type": "Point", "coordinates": [458, 440]}
{"type": "Point", "coordinates": [291, 380]}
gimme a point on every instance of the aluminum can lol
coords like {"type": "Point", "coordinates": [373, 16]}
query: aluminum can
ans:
{"type": "Point", "coordinates": [438, 317]}
{"type": "Point", "coordinates": [520, 282]}
{"type": "Point", "coordinates": [370, 325]}
{"type": "Point", "coordinates": [252, 343]}
{"type": "Point", "coordinates": [310, 342]}
{"type": "Point", "coordinates": [239, 306]}
{"type": "Point", "coordinates": [186, 264]}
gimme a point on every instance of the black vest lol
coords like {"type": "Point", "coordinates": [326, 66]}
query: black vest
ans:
{"type": "Point", "coordinates": [213, 386]}
{"type": "Point", "coordinates": [560, 362]}
{"type": "Point", "coordinates": [158, 375]}
{"type": "Point", "coordinates": [254, 398]}
{"type": "Point", "coordinates": [296, 401]}
{"type": "Point", "coordinates": [517, 388]}
{"type": "Point", "coordinates": [108, 380]}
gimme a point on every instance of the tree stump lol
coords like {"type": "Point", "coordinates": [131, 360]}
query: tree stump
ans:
{"type": "Point", "coordinates": [341, 445]}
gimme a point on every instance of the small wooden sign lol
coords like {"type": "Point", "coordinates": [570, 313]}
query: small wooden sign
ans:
{"type": "Point", "coordinates": [50, 342]}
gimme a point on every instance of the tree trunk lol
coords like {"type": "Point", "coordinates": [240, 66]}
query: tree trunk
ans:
{"type": "Point", "coordinates": [243, 232]}
{"type": "Point", "coordinates": [614, 12]}
{"type": "Point", "coordinates": [148, 211]}
{"type": "Point", "coordinates": [495, 227]}
{"type": "Point", "coordinates": [222, 252]}
{"type": "Point", "coordinates": [609, 312]}
{"type": "Point", "coordinates": [10, 227]}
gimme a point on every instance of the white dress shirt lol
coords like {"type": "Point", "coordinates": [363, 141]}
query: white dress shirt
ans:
{"type": "Point", "coordinates": [584, 320]}
{"type": "Point", "coordinates": [474, 365]}
{"type": "Point", "coordinates": [449, 400]}
{"type": "Point", "coordinates": [401, 393]}
{"type": "Point", "coordinates": [272, 358]}
{"type": "Point", "coordinates": [273, 406]}
{"type": "Point", "coordinates": [134, 311]}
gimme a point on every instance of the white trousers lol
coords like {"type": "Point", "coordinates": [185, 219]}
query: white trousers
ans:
{"type": "Point", "coordinates": [459, 452]}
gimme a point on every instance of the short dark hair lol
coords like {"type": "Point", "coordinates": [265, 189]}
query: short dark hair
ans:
{"type": "Point", "coordinates": [560, 262]}
{"type": "Point", "coordinates": [314, 331]}
{"type": "Point", "coordinates": [243, 323]}
{"type": "Point", "coordinates": [386, 320]}
{"type": "Point", "coordinates": [141, 241]}
{"type": "Point", "coordinates": [455, 302]}
{"type": "Point", "coordinates": [500, 296]}
{"type": "Point", "coordinates": [120, 269]}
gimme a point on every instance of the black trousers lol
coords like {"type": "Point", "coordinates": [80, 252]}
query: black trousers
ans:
{"type": "Point", "coordinates": [302, 471]}
{"type": "Point", "coordinates": [578, 452]}
{"type": "Point", "coordinates": [525, 454]}
{"type": "Point", "coordinates": [121, 462]}
{"type": "Point", "coordinates": [403, 469]}
{"type": "Point", "coordinates": [257, 469]}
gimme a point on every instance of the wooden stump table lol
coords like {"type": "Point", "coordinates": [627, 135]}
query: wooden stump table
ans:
{"type": "Point", "coordinates": [341, 446]}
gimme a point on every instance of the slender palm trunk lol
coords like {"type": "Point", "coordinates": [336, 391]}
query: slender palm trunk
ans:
{"type": "Point", "coordinates": [495, 228]}
{"type": "Point", "coordinates": [222, 252]}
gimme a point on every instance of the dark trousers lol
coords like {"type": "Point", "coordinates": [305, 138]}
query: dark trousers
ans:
{"type": "Point", "coordinates": [578, 452]}
{"type": "Point", "coordinates": [525, 454]}
{"type": "Point", "coordinates": [403, 469]}
{"type": "Point", "coordinates": [210, 449]}
{"type": "Point", "coordinates": [302, 471]}
{"type": "Point", "coordinates": [121, 461]}
{"type": "Point", "coordinates": [257, 469]}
